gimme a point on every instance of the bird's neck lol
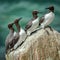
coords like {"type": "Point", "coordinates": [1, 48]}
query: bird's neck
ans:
{"type": "Point", "coordinates": [11, 30]}
{"type": "Point", "coordinates": [18, 27]}
{"type": "Point", "coordinates": [51, 11]}
{"type": "Point", "coordinates": [35, 17]}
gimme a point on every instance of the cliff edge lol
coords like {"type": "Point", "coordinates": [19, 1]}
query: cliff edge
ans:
{"type": "Point", "coordinates": [38, 46]}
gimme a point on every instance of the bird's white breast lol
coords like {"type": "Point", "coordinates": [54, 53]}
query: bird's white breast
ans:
{"type": "Point", "coordinates": [22, 37]}
{"type": "Point", "coordinates": [21, 32]}
{"type": "Point", "coordinates": [15, 33]}
{"type": "Point", "coordinates": [35, 24]}
{"type": "Point", "coordinates": [48, 18]}
{"type": "Point", "coordinates": [10, 36]}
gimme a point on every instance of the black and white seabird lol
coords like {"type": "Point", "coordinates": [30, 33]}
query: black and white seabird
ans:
{"type": "Point", "coordinates": [33, 23]}
{"type": "Point", "coordinates": [22, 34]}
{"type": "Point", "coordinates": [9, 37]}
{"type": "Point", "coordinates": [47, 18]}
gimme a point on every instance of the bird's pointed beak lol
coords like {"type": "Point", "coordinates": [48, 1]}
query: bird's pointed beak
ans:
{"type": "Point", "coordinates": [19, 18]}
{"type": "Point", "coordinates": [12, 23]}
{"type": "Point", "coordinates": [38, 11]}
{"type": "Point", "coordinates": [47, 8]}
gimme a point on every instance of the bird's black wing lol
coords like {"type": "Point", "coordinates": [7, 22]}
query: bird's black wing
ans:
{"type": "Point", "coordinates": [41, 20]}
{"type": "Point", "coordinates": [29, 24]}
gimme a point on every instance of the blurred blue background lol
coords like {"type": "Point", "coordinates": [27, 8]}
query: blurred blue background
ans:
{"type": "Point", "coordinates": [12, 9]}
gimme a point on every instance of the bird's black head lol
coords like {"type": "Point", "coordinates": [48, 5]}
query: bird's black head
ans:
{"type": "Point", "coordinates": [51, 8]}
{"type": "Point", "coordinates": [10, 25]}
{"type": "Point", "coordinates": [17, 20]}
{"type": "Point", "coordinates": [35, 12]}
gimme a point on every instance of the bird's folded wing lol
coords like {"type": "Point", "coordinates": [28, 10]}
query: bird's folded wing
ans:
{"type": "Point", "coordinates": [28, 25]}
{"type": "Point", "coordinates": [41, 20]}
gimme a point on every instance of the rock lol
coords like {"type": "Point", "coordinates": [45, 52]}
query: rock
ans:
{"type": "Point", "coordinates": [38, 46]}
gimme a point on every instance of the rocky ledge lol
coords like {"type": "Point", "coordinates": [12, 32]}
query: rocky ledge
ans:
{"type": "Point", "coordinates": [38, 46]}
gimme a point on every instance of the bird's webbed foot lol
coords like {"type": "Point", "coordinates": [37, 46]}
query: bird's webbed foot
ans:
{"type": "Point", "coordinates": [47, 32]}
{"type": "Point", "coordinates": [49, 27]}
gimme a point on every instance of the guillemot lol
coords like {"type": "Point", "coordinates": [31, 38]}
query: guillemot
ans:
{"type": "Point", "coordinates": [47, 18]}
{"type": "Point", "coordinates": [8, 40]}
{"type": "Point", "coordinates": [22, 34]}
{"type": "Point", "coordinates": [33, 23]}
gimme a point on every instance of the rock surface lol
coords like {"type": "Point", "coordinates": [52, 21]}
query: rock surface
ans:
{"type": "Point", "coordinates": [39, 46]}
